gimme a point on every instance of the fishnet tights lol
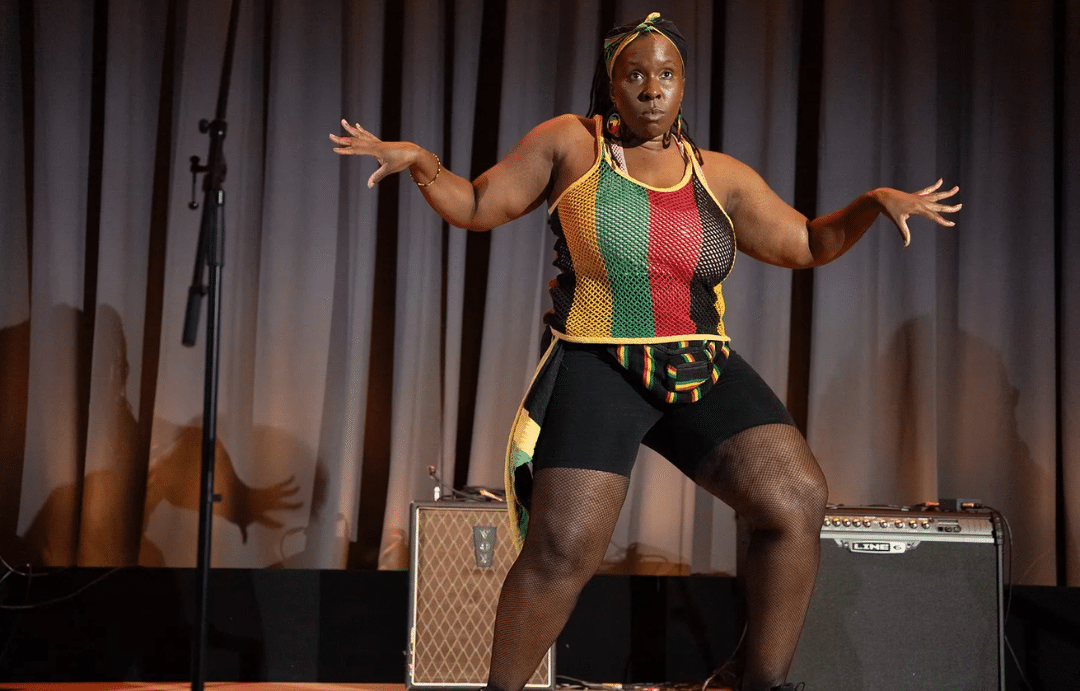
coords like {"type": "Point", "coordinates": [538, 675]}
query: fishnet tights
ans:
{"type": "Point", "coordinates": [571, 520]}
{"type": "Point", "coordinates": [770, 477]}
{"type": "Point", "coordinates": [766, 473]}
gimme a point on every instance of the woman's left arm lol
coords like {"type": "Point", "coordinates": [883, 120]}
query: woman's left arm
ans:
{"type": "Point", "coordinates": [770, 230]}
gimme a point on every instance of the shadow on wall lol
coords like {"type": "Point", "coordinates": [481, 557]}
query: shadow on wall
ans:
{"type": "Point", "coordinates": [109, 508]}
{"type": "Point", "coordinates": [174, 478]}
{"type": "Point", "coordinates": [14, 388]}
{"type": "Point", "coordinates": [968, 444]}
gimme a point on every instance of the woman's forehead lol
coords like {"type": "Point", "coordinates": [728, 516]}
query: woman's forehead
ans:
{"type": "Point", "coordinates": [649, 47]}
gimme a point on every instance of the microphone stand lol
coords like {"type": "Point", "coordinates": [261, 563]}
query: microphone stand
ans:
{"type": "Point", "coordinates": [210, 253]}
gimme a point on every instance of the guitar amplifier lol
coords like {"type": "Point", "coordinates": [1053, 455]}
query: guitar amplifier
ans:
{"type": "Point", "coordinates": [460, 554]}
{"type": "Point", "coordinates": [905, 600]}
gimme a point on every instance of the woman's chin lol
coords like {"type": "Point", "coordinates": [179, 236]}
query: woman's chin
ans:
{"type": "Point", "coordinates": [650, 130]}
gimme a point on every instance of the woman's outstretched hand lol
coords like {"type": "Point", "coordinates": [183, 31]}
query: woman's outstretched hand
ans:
{"type": "Point", "coordinates": [393, 157]}
{"type": "Point", "coordinates": [898, 206]}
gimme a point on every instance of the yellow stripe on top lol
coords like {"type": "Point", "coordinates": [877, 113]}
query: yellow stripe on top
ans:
{"type": "Point", "coordinates": [592, 306]}
{"type": "Point", "coordinates": [720, 307]}
{"type": "Point", "coordinates": [593, 285]}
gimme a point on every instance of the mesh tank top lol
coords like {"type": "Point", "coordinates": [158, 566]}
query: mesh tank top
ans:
{"type": "Point", "coordinates": [639, 264]}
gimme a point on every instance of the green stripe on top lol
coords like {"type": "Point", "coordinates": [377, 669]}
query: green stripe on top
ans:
{"type": "Point", "coordinates": [621, 206]}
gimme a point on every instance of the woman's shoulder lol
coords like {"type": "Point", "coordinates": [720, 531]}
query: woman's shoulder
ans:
{"type": "Point", "coordinates": [727, 176]}
{"type": "Point", "coordinates": [566, 139]}
{"type": "Point", "coordinates": [725, 170]}
{"type": "Point", "coordinates": [718, 160]}
{"type": "Point", "coordinates": [568, 128]}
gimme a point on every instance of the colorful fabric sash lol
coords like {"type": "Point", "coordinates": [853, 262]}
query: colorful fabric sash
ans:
{"type": "Point", "coordinates": [680, 372]}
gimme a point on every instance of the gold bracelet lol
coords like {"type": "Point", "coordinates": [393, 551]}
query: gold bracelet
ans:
{"type": "Point", "coordinates": [437, 171]}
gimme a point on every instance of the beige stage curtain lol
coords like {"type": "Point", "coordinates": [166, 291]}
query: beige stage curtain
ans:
{"type": "Point", "coordinates": [365, 341]}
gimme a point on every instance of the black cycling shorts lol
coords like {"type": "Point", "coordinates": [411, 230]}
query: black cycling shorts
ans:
{"type": "Point", "coordinates": [599, 414]}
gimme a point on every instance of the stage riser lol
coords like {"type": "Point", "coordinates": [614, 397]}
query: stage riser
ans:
{"type": "Point", "coordinates": [350, 626]}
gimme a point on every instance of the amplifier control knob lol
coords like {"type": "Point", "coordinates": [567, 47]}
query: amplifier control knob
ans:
{"type": "Point", "coordinates": [883, 523]}
{"type": "Point", "coordinates": [847, 521]}
{"type": "Point", "coordinates": [899, 523]}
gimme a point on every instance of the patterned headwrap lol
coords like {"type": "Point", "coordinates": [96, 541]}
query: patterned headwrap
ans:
{"type": "Point", "coordinates": [613, 45]}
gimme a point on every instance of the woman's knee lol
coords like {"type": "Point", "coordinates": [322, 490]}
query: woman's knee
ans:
{"type": "Point", "coordinates": [562, 554]}
{"type": "Point", "coordinates": [796, 500]}
{"type": "Point", "coordinates": [784, 489]}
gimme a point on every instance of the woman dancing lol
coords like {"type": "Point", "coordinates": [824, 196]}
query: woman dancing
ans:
{"type": "Point", "coordinates": [646, 226]}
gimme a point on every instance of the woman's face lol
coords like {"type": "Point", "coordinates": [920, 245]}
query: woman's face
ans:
{"type": "Point", "coordinates": [647, 84]}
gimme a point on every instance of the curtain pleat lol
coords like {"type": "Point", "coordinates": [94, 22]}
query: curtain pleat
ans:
{"type": "Point", "coordinates": [417, 362]}
{"type": "Point", "coordinates": [364, 341]}
{"type": "Point", "coordinates": [1068, 419]}
{"type": "Point", "coordinates": [876, 378]}
{"type": "Point", "coordinates": [49, 504]}
{"type": "Point", "coordinates": [15, 237]}
{"type": "Point", "coordinates": [114, 479]}
{"type": "Point", "coordinates": [517, 270]}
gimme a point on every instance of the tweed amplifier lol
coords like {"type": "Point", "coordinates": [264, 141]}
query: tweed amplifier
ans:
{"type": "Point", "coordinates": [460, 553]}
{"type": "Point", "coordinates": [906, 600]}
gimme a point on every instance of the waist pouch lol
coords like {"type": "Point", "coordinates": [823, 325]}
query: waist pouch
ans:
{"type": "Point", "coordinates": [677, 372]}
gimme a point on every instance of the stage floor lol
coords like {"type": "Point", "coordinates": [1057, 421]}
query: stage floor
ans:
{"type": "Point", "coordinates": [210, 686]}
{"type": "Point", "coordinates": [257, 686]}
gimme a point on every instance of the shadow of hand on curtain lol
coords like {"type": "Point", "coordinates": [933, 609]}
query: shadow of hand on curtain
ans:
{"type": "Point", "coordinates": [174, 478]}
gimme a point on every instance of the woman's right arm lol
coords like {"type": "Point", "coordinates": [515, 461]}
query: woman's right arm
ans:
{"type": "Point", "coordinates": [511, 188]}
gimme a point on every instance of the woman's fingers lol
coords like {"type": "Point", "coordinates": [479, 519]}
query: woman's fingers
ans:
{"type": "Point", "coordinates": [930, 208]}
{"type": "Point", "coordinates": [931, 188]}
{"type": "Point", "coordinates": [358, 141]}
{"type": "Point", "coordinates": [351, 129]}
{"type": "Point", "coordinates": [937, 196]}
{"type": "Point", "coordinates": [899, 207]}
{"type": "Point", "coordinates": [392, 157]}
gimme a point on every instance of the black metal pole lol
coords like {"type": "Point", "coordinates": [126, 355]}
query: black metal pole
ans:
{"type": "Point", "coordinates": [207, 497]}
{"type": "Point", "coordinates": [210, 253]}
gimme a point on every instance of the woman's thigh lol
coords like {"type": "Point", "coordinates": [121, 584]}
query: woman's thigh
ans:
{"type": "Point", "coordinates": [597, 415]}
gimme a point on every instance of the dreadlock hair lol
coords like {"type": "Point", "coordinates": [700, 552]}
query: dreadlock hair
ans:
{"type": "Point", "coordinates": [600, 102]}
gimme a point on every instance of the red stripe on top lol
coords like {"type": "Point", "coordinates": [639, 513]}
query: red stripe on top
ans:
{"type": "Point", "coordinates": [675, 243]}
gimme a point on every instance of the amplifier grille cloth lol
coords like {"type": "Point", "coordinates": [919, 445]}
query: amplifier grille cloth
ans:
{"type": "Point", "coordinates": [455, 600]}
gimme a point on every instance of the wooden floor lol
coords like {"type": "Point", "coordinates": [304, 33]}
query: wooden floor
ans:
{"type": "Point", "coordinates": [259, 686]}
{"type": "Point", "coordinates": [209, 686]}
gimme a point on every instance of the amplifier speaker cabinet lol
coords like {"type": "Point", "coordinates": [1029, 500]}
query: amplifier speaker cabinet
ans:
{"type": "Point", "coordinates": [906, 600]}
{"type": "Point", "coordinates": [460, 553]}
